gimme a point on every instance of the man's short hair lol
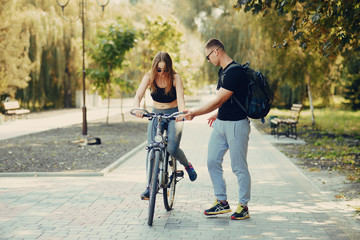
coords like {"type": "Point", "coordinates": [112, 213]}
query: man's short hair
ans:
{"type": "Point", "coordinates": [214, 43]}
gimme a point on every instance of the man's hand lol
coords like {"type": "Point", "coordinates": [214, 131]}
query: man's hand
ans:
{"type": "Point", "coordinates": [189, 115]}
{"type": "Point", "coordinates": [180, 118]}
{"type": "Point", "coordinates": [212, 119]}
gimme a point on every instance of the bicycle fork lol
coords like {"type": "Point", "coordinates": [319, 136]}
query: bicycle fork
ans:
{"type": "Point", "coordinates": [151, 163]}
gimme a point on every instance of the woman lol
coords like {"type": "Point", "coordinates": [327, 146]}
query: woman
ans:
{"type": "Point", "coordinates": [167, 92]}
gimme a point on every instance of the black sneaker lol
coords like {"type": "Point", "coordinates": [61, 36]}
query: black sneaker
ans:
{"type": "Point", "coordinates": [191, 171]}
{"type": "Point", "coordinates": [218, 208]}
{"type": "Point", "coordinates": [242, 212]}
{"type": "Point", "coordinates": [145, 195]}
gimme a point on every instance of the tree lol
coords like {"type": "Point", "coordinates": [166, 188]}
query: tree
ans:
{"type": "Point", "coordinates": [126, 86]}
{"type": "Point", "coordinates": [15, 64]}
{"type": "Point", "coordinates": [327, 27]}
{"type": "Point", "coordinates": [319, 27]}
{"type": "Point", "coordinates": [352, 78]}
{"type": "Point", "coordinates": [108, 54]}
{"type": "Point", "coordinates": [53, 53]}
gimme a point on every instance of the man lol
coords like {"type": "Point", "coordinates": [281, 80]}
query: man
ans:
{"type": "Point", "coordinates": [231, 129]}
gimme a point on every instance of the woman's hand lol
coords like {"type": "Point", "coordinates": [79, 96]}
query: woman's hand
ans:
{"type": "Point", "coordinates": [139, 114]}
{"type": "Point", "coordinates": [181, 117]}
{"type": "Point", "coordinates": [189, 115]}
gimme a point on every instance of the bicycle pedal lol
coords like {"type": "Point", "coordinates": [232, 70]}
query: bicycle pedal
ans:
{"type": "Point", "coordinates": [179, 173]}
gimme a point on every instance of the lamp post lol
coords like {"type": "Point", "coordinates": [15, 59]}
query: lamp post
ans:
{"type": "Point", "coordinates": [83, 4]}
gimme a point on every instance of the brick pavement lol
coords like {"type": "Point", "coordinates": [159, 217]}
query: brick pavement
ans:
{"type": "Point", "coordinates": [285, 204]}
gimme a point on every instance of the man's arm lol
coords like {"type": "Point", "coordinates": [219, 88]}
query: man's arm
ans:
{"type": "Point", "coordinates": [222, 96]}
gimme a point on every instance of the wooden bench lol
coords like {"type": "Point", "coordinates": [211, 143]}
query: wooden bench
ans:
{"type": "Point", "coordinates": [12, 109]}
{"type": "Point", "coordinates": [287, 126]}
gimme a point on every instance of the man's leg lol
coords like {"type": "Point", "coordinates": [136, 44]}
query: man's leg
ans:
{"type": "Point", "coordinates": [238, 137]}
{"type": "Point", "coordinates": [216, 150]}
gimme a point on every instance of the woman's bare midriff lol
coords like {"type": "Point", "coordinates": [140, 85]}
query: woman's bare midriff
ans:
{"type": "Point", "coordinates": [159, 105]}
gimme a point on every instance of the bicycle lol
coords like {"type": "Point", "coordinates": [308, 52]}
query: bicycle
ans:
{"type": "Point", "coordinates": [162, 167]}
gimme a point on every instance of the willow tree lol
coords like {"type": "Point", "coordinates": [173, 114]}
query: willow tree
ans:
{"type": "Point", "coordinates": [15, 64]}
{"type": "Point", "coordinates": [108, 54]}
{"type": "Point", "coordinates": [53, 53]}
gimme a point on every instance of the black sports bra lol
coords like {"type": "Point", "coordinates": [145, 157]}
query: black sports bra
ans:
{"type": "Point", "coordinates": [160, 96]}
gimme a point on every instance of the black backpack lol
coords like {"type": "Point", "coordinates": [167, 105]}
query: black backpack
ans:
{"type": "Point", "coordinates": [259, 98]}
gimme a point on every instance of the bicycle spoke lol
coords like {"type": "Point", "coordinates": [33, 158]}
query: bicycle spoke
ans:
{"type": "Point", "coordinates": [169, 190]}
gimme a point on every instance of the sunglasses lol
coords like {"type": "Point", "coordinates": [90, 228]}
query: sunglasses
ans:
{"type": "Point", "coordinates": [208, 56]}
{"type": "Point", "coordinates": [160, 70]}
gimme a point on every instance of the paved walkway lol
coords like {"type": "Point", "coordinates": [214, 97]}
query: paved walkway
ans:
{"type": "Point", "coordinates": [285, 204]}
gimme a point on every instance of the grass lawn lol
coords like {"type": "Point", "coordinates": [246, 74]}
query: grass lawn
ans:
{"type": "Point", "coordinates": [334, 142]}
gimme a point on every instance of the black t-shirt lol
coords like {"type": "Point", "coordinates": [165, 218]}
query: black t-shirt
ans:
{"type": "Point", "coordinates": [235, 80]}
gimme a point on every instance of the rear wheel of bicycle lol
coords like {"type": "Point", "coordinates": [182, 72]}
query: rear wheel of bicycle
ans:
{"type": "Point", "coordinates": [154, 187]}
{"type": "Point", "coordinates": [169, 191]}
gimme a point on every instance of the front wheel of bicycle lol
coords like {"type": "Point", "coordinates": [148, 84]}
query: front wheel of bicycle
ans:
{"type": "Point", "coordinates": [154, 187]}
{"type": "Point", "coordinates": [169, 190]}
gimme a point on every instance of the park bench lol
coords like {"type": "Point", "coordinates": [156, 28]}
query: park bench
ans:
{"type": "Point", "coordinates": [287, 126]}
{"type": "Point", "coordinates": [12, 110]}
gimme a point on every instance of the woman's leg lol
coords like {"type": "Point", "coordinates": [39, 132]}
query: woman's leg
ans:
{"type": "Point", "coordinates": [174, 137]}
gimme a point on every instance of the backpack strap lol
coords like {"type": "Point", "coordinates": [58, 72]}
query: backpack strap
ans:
{"type": "Point", "coordinates": [233, 65]}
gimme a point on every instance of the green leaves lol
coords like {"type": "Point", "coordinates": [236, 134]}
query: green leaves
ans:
{"type": "Point", "coordinates": [108, 53]}
{"type": "Point", "coordinates": [112, 44]}
{"type": "Point", "coordinates": [331, 23]}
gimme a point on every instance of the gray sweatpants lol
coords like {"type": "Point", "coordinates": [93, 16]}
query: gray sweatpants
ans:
{"type": "Point", "coordinates": [233, 136]}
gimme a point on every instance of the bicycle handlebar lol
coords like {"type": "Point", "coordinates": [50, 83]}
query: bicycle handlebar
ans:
{"type": "Point", "coordinates": [152, 115]}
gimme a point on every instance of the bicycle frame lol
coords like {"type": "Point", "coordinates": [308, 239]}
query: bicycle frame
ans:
{"type": "Point", "coordinates": [159, 145]}
{"type": "Point", "coordinates": [157, 165]}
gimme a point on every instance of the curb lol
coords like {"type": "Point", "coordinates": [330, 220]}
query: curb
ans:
{"type": "Point", "coordinates": [101, 173]}
{"type": "Point", "coordinates": [121, 160]}
{"type": "Point", "coordinates": [51, 174]}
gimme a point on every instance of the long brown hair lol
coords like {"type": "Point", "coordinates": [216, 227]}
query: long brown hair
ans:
{"type": "Point", "coordinates": [169, 71]}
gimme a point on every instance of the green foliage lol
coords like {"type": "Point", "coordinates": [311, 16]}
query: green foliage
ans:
{"type": "Point", "coordinates": [159, 34]}
{"type": "Point", "coordinates": [15, 65]}
{"type": "Point", "coordinates": [328, 27]}
{"type": "Point", "coordinates": [108, 53]}
{"type": "Point", "coordinates": [41, 58]}
{"type": "Point", "coordinates": [351, 64]}
{"type": "Point", "coordinates": [251, 38]}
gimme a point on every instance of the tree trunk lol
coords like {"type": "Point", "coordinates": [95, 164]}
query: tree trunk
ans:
{"type": "Point", "coordinates": [121, 106]}
{"type": "Point", "coordinates": [109, 86]}
{"type": "Point", "coordinates": [307, 76]}
{"type": "Point", "coordinates": [108, 105]}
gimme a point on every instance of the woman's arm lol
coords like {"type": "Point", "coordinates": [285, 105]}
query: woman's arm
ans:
{"type": "Point", "coordinates": [140, 94]}
{"type": "Point", "coordinates": [141, 90]}
{"type": "Point", "coordinates": [179, 92]}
